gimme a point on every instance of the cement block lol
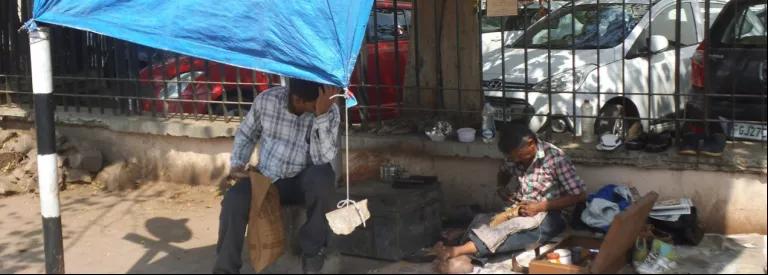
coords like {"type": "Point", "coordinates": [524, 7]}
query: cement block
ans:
{"type": "Point", "coordinates": [6, 186]}
{"type": "Point", "coordinates": [78, 175]}
{"type": "Point", "coordinates": [23, 143]}
{"type": "Point", "coordinates": [86, 159]}
{"type": "Point", "coordinates": [118, 176]}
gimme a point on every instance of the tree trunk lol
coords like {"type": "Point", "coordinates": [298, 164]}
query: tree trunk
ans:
{"type": "Point", "coordinates": [443, 70]}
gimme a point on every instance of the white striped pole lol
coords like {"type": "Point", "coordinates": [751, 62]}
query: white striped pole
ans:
{"type": "Point", "coordinates": [42, 88]}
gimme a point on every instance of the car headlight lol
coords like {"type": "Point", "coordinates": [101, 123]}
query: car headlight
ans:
{"type": "Point", "coordinates": [179, 83]}
{"type": "Point", "coordinates": [567, 81]}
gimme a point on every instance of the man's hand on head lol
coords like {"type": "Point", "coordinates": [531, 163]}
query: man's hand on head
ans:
{"type": "Point", "coordinates": [324, 101]}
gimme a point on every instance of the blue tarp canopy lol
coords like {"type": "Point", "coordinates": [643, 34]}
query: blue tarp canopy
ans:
{"type": "Point", "coordinates": [316, 40]}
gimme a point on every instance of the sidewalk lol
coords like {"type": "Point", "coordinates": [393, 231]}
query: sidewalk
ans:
{"type": "Point", "coordinates": [172, 228]}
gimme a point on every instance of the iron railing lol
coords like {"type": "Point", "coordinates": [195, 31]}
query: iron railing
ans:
{"type": "Point", "coordinates": [532, 67]}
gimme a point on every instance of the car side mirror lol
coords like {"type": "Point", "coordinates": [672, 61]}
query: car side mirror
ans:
{"type": "Point", "coordinates": [659, 43]}
{"type": "Point", "coordinates": [399, 31]}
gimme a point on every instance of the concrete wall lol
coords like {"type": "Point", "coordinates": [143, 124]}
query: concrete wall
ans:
{"type": "Point", "coordinates": [195, 161]}
{"type": "Point", "coordinates": [728, 202]}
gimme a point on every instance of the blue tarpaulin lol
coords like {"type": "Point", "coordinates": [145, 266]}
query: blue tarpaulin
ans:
{"type": "Point", "coordinates": [316, 40]}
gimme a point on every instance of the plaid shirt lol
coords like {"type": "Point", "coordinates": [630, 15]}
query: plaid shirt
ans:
{"type": "Point", "coordinates": [287, 143]}
{"type": "Point", "coordinates": [550, 176]}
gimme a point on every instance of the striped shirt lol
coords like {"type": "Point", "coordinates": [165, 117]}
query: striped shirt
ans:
{"type": "Point", "coordinates": [288, 143]}
{"type": "Point", "coordinates": [551, 175]}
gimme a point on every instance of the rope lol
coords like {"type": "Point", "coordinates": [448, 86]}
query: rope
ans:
{"type": "Point", "coordinates": [347, 201]}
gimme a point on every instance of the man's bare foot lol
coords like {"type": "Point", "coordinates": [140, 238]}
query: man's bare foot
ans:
{"type": "Point", "coordinates": [443, 252]}
{"type": "Point", "coordinates": [457, 265]}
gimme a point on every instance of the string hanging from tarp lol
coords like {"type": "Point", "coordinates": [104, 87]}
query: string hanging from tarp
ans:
{"type": "Point", "coordinates": [349, 213]}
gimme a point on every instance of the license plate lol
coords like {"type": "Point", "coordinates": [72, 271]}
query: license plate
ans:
{"type": "Point", "coordinates": [749, 131]}
{"type": "Point", "coordinates": [502, 114]}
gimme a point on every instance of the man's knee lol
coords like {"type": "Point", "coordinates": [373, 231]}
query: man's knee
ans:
{"type": "Point", "coordinates": [319, 179]}
{"type": "Point", "coordinates": [553, 225]}
{"type": "Point", "coordinates": [323, 171]}
{"type": "Point", "coordinates": [237, 200]}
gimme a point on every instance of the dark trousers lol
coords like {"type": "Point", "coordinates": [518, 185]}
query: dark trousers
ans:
{"type": "Point", "coordinates": [313, 187]}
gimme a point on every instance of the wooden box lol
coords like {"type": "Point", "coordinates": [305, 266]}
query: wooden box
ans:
{"type": "Point", "coordinates": [614, 249]}
{"type": "Point", "coordinates": [403, 220]}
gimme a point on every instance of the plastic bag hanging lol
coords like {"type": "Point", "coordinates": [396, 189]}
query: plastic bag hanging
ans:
{"type": "Point", "coordinates": [349, 213]}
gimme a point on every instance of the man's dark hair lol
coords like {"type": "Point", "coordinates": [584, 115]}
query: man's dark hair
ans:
{"type": "Point", "coordinates": [513, 136]}
{"type": "Point", "coordinates": [304, 89]}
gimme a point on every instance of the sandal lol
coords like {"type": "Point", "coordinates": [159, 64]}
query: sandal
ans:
{"type": "Point", "coordinates": [422, 256]}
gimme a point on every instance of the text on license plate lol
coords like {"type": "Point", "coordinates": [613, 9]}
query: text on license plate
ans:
{"type": "Point", "coordinates": [750, 131]}
{"type": "Point", "coordinates": [503, 114]}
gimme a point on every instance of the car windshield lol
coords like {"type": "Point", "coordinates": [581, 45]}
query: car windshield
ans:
{"type": "Point", "coordinates": [587, 26]}
{"type": "Point", "coordinates": [525, 18]}
{"type": "Point", "coordinates": [747, 28]}
{"type": "Point", "coordinates": [381, 25]}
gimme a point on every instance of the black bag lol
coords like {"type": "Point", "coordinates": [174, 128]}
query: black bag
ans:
{"type": "Point", "coordinates": [684, 231]}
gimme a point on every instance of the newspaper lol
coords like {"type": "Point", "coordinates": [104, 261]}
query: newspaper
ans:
{"type": "Point", "coordinates": [671, 210]}
{"type": "Point", "coordinates": [673, 204]}
{"type": "Point", "coordinates": [669, 218]}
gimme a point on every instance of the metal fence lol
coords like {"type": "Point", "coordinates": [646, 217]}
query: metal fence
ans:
{"type": "Point", "coordinates": [645, 66]}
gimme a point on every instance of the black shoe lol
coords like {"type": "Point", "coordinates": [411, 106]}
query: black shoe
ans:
{"type": "Point", "coordinates": [689, 145]}
{"type": "Point", "coordinates": [713, 145]}
{"type": "Point", "coordinates": [657, 143]}
{"type": "Point", "coordinates": [425, 255]}
{"type": "Point", "coordinates": [313, 264]}
{"type": "Point", "coordinates": [637, 143]}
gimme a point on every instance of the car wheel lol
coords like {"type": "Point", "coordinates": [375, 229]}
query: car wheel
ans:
{"type": "Point", "coordinates": [558, 125]}
{"type": "Point", "coordinates": [609, 120]}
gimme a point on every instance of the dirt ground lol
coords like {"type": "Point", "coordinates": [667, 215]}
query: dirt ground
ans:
{"type": "Point", "coordinates": [172, 228]}
{"type": "Point", "coordinates": [165, 228]}
{"type": "Point", "coordinates": [158, 228]}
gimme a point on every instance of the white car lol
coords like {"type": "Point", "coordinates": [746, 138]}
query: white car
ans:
{"type": "Point", "coordinates": [513, 26]}
{"type": "Point", "coordinates": [574, 61]}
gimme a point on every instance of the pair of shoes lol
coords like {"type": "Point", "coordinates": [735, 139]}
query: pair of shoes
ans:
{"type": "Point", "coordinates": [660, 259]}
{"type": "Point", "coordinates": [313, 263]}
{"type": "Point", "coordinates": [655, 264]}
{"type": "Point", "coordinates": [689, 145]}
{"type": "Point", "coordinates": [648, 265]}
{"type": "Point", "coordinates": [714, 145]}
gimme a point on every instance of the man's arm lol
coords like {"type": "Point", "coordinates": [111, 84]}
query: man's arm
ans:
{"type": "Point", "coordinates": [528, 209]}
{"type": "Point", "coordinates": [564, 202]}
{"type": "Point", "coordinates": [503, 178]}
{"type": "Point", "coordinates": [324, 140]}
{"type": "Point", "coordinates": [565, 174]}
{"type": "Point", "coordinates": [246, 137]}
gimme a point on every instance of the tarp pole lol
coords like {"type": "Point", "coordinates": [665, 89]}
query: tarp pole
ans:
{"type": "Point", "coordinates": [42, 88]}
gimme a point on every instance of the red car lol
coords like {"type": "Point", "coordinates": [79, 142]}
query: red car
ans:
{"type": "Point", "coordinates": [377, 80]}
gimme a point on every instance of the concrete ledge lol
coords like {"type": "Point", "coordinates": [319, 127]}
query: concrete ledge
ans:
{"type": "Point", "coordinates": [739, 157]}
{"type": "Point", "coordinates": [193, 128]}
